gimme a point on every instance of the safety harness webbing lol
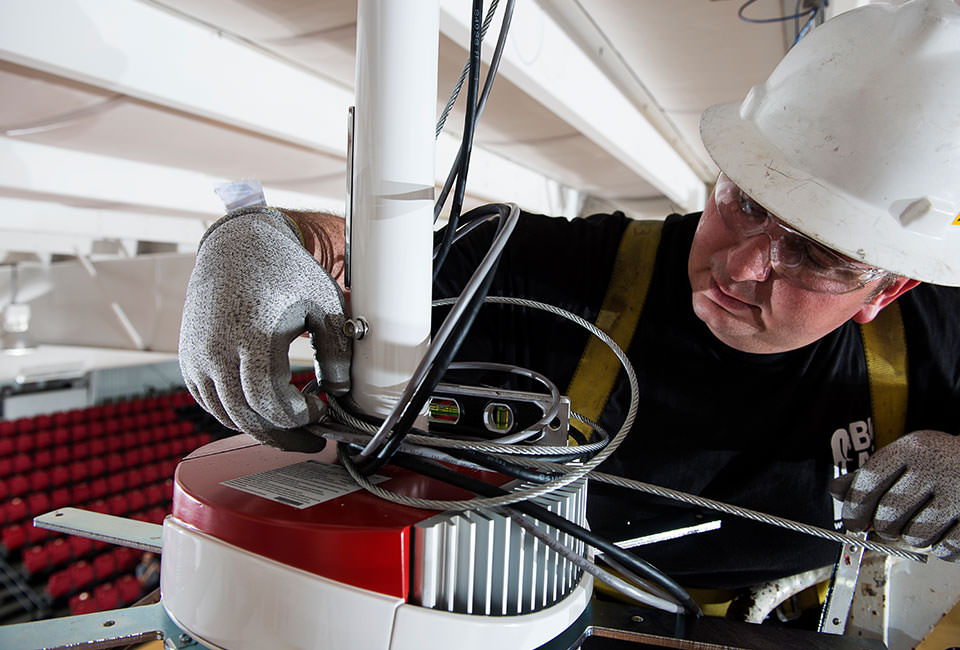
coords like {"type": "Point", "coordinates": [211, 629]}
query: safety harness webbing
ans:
{"type": "Point", "coordinates": [884, 342]}
{"type": "Point", "coordinates": [597, 370]}
{"type": "Point", "coordinates": [885, 347]}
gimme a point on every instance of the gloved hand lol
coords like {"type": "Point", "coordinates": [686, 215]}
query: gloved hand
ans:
{"type": "Point", "coordinates": [253, 290]}
{"type": "Point", "coordinates": [909, 489]}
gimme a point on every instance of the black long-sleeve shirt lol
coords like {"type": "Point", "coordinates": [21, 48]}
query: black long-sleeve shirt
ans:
{"type": "Point", "coordinates": [760, 431]}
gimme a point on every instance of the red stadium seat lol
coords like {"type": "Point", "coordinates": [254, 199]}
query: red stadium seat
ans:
{"type": "Point", "coordinates": [107, 597]}
{"type": "Point", "coordinates": [100, 487]}
{"type": "Point", "coordinates": [25, 443]}
{"type": "Point", "coordinates": [79, 546]}
{"type": "Point", "coordinates": [104, 566]}
{"type": "Point", "coordinates": [6, 467]}
{"type": "Point", "coordinates": [136, 500]}
{"type": "Point", "coordinates": [97, 466]}
{"type": "Point", "coordinates": [43, 439]}
{"type": "Point", "coordinates": [22, 464]}
{"type": "Point", "coordinates": [79, 471]}
{"type": "Point", "coordinates": [24, 425]}
{"type": "Point", "coordinates": [35, 560]}
{"type": "Point", "coordinates": [59, 475]}
{"type": "Point", "coordinates": [150, 473]}
{"type": "Point", "coordinates": [13, 511]}
{"type": "Point", "coordinates": [58, 551]}
{"type": "Point", "coordinates": [83, 603]}
{"type": "Point", "coordinates": [98, 447]}
{"type": "Point", "coordinates": [114, 462]}
{"type": "Point", "coordinates": [17, 485]}
{"type": "Point", "coordinates": [61, 455]}
{"type": "Point", "coordinates": [117, 482]}
{"type": "Point", "coordinates": [81, 493]}
{"type": "Point", "coordinates": [79, 432]}
{"type": "Point", "coordinates": [59, 584]}
{"type": "Point", "coordinates": [61, 436]}
{"type": "Point", "coordinates": [118, 505]}
{"type": "Point", "coordinates": [38, 503]}
{"type": "Point", "coordinates": [80, 450]}
{"type": "Point", "coordinates": [97, 430]}
{"type": "Point", "coordinates": [43, 459]}
{"type": "Point", "coordinates": [60, 498]}
{"type": "Point", "coordinates": [39, 480]}
{"type": "Point", "coordinates": [129, 588]}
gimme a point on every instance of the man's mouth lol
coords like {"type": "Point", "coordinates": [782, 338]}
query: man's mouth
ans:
{"type": "Point", "coordinates": [726, 298]}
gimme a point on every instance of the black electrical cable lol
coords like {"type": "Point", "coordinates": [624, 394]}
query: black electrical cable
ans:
{"type": "Point", "coordinates": [466, 144]}
{"type": "Point", "coordinates": [778, 19]}
{"type": "Point", "coordinates": [444, 356]}
{"type": "Point", "coordinates": [504, 466]}
{"type": "Point", "coordinates": [634, 563]}
{"type": "Point", "coordinates": [487, 85]}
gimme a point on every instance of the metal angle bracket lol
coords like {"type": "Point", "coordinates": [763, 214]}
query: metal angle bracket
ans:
{"type": "Point", "coordinates": [117, 627]}
{"type": "Point", "coordinates": [106, 528]}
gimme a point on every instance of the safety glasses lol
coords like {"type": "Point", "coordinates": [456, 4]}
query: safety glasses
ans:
{"type": "Point", "coordinates": [795, 257]}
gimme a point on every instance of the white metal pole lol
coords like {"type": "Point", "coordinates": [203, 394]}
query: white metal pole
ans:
{"type": "Point", "coordinates": [393, 189]}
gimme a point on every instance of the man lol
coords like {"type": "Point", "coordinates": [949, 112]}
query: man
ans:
{"type": "Point", "coordinates": [838, 198]}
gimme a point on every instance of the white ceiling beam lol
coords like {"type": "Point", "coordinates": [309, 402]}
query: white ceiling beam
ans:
{"type": "Point", "coordinates": [145, 52]}
{"type": "Point", "coordinates": [543, 60]}
{"type": "Point", "coordinates": [93, 180]}
{"type": "Point", "coordinates": [47, 218]}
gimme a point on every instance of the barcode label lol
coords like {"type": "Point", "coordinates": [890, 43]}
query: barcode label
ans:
{"type": "Point", "coordinates": [301, 485]}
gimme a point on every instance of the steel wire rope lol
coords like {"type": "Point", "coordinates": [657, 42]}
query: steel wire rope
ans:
{"type": "Point", "coordinates": [487, 85]}
{"type": "Point", "coordinates": [464, 70]}
{"type": "Point", "coordinates": [448, 327]}
{"type": "Point", "coordinates": [462, 163]}
{"type": "Point", "coordinates": [738, 511]}
{"type": "Point", "coordinates": [525, 493]}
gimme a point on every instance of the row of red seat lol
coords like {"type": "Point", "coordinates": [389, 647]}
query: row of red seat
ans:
{"type": "Point", "coordinates": [43, 558]}
{"type": "Point", "coordinates": [40, 480]}
{"type": "Point", "coordinates": [150, 444]}
{"type": "Point", "coordinates": [83, 574]}
{"type": "Point", "coordinates": [16, 536]}
{"type": "Point", "coordinates": [158, 424]}
{"type": "Point", "coordinates": [123, 591]}
{"type": "Point", "coordinates": [102, 412]}
{"type": "Point", "coordinates": [20, 531]}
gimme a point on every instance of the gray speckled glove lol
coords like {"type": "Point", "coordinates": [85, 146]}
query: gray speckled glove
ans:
{"type": "Point", "coordinates": [253, 290]}
{"type": "Point", "coordinates": [909, 489]}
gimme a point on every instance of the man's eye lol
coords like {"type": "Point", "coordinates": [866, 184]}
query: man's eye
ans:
{"type": "Point", "coordinates": [819, 258]}
{"type": "Point", "coordinates": [751, 208]}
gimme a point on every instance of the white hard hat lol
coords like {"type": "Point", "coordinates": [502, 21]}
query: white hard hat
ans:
{"type": "Point", "coordinates": [854, 139]}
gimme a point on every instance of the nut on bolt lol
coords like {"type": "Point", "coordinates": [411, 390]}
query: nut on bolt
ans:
{"type": "Point", "coordinates": [355, 328]}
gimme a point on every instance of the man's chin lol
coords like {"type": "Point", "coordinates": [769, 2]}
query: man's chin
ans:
{"type": "Point", "coordinates": [729, 328]}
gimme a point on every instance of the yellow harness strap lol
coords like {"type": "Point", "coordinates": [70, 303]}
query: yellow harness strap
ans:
{"type": "Point", "coordinates": [593, 379]}
{"type": "Point", "coordinates": [885, 347]}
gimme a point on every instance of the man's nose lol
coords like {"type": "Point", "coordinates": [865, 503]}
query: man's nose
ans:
{"type": "Point", "coordinates": [749, 259]}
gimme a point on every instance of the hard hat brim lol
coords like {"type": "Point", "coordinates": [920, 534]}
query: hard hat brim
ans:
{"type": "Point", "coordinates": [812, 206]}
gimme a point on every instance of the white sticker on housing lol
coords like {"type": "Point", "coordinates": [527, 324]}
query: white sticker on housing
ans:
{"type": "Point", "coordinates": [302, 485]}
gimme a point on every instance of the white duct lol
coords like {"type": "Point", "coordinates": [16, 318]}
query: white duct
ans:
{"type": "Point", "coordinates": [393, 188]}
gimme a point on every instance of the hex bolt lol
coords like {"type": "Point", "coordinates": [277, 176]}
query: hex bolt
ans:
{"type": "Point", "coordinates": [356, 328]}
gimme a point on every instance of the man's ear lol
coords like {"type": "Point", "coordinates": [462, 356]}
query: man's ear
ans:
{"type": "Point", "coordinates": [891, 292]}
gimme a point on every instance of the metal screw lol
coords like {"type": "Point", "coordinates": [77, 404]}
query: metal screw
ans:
{"type": "Point", "coordinates": [185, 639]}
{"type": "Point", "coordinates": [109, 623]}
{"type": "Point", "coordinates": [356, 328]}
{"type": "Point", "coordinates": [836, 621]}
{"type": "Point", "coordinates": [636, 619]}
